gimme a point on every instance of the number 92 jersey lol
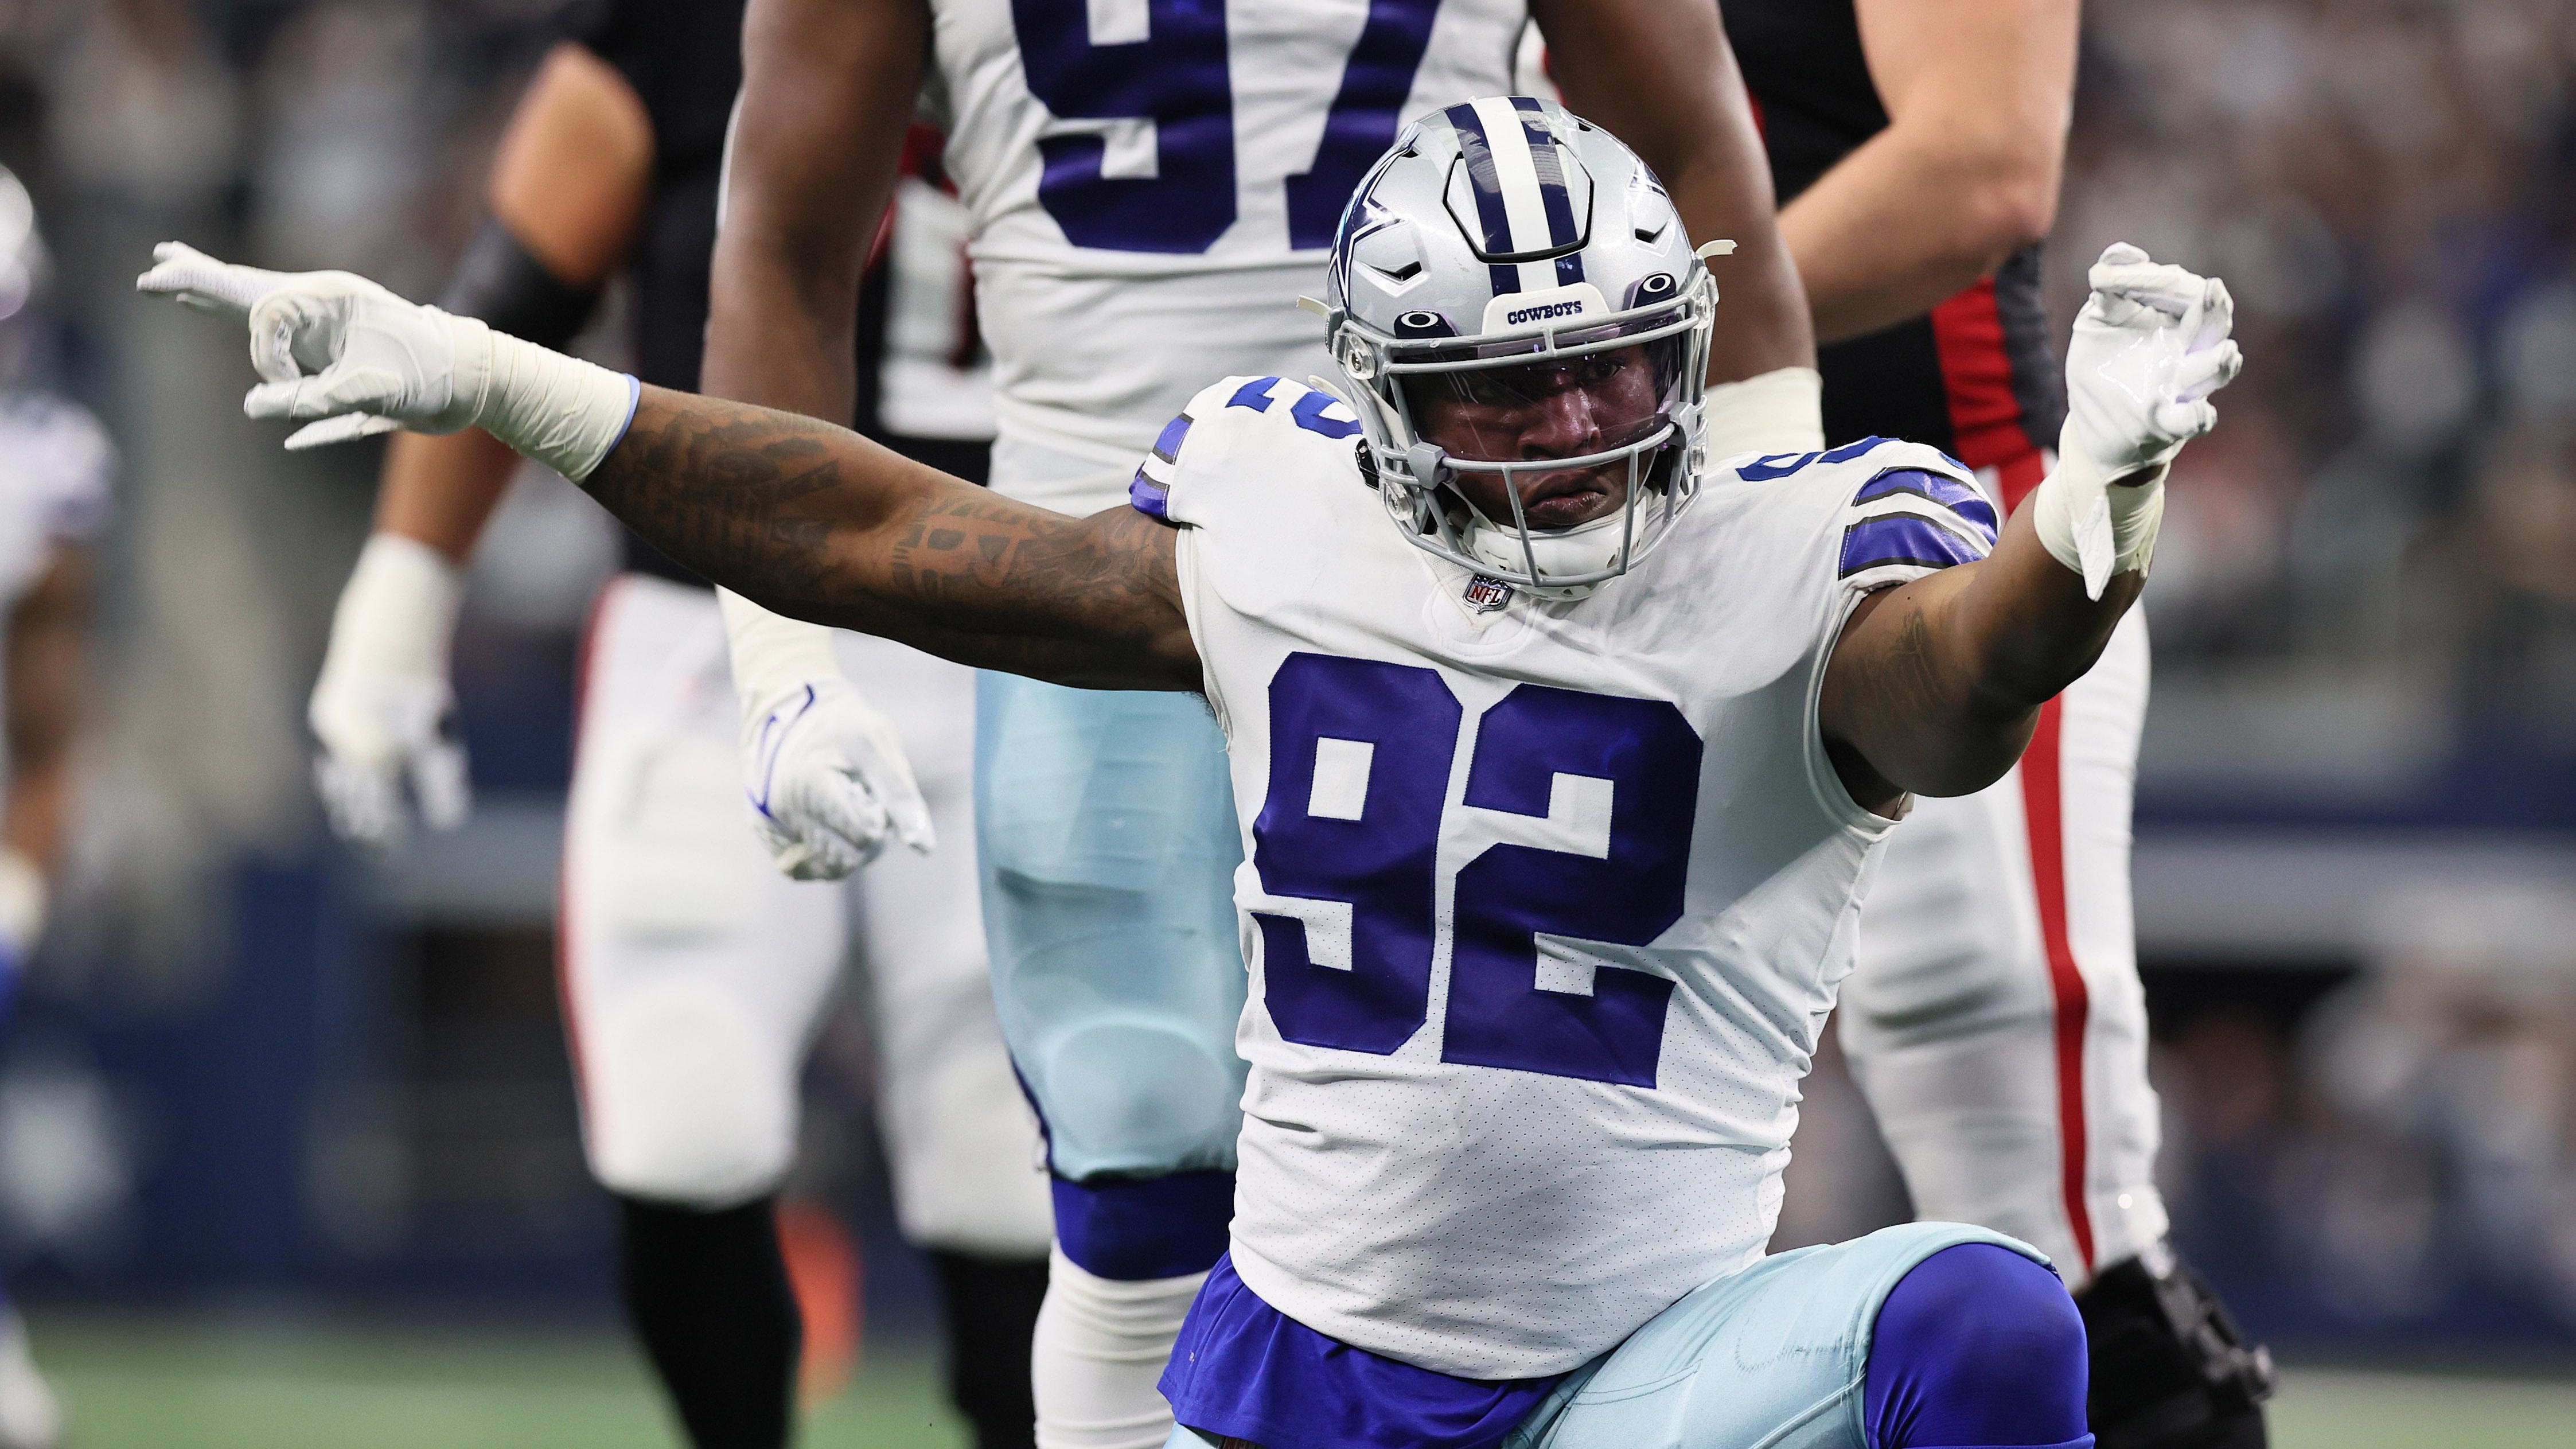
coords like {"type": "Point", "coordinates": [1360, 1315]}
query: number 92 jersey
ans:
{"type": "Point", "coordinates": [1544, 902]}
{"type": "Point", "coordinates": [1153, 182]}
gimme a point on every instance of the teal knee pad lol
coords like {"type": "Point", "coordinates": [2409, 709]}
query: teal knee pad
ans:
{"type": "Point", "coordinates": [1107, 838]}
{"type": "Point", "coordinates": [1135, 1096]}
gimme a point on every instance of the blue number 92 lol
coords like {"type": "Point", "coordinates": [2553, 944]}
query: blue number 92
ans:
{"type": "Point", "coordinates": [1360, 759]}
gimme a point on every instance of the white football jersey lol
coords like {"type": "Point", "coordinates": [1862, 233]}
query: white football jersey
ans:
{"type": "Point", "coordinates": [1544, 902]}
{"type": "Point", "coordinates": [55, 463]}
{"type": "Point", "coordinates": [1153, 184]}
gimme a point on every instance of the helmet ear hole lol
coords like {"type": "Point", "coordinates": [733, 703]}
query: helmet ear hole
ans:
{"type": "Point", "coordinates": [1423, 324]}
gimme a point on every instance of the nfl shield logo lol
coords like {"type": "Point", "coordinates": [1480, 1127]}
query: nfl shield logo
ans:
{"type": "Point", "coordinates": [1485, 595]}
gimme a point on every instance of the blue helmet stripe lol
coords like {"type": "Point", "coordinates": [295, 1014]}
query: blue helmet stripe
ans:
{"type": "Point", "coordinates": [1544, 159]}
{"type": "Point", "coordinates": [1484, 178]}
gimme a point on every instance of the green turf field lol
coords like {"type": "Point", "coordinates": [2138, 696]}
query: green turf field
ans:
{"type": "Point", "coordinates": [133, 1385]}
{"type": "Point", "coordinates": [197, 1384]}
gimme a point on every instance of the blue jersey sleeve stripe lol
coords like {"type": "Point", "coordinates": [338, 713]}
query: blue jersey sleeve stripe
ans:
{"type": "Point", "coordinates": [1950, 493]}
{"type": "Point", "coordinates": [1149, 497]}
{"type": "Point", "coordinates": [1167, 445]}
{"type": "Point", "coordinates": [1903, 538]}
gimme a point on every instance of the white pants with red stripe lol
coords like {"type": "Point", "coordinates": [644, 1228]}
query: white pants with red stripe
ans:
{"type": "Point", "coordinates": [1995, 1020]}
{"type": "Point", "coordinates": [694, 974]}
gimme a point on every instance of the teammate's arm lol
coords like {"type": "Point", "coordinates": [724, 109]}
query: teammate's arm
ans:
{"type": "Point", "coordinates": [568, 184]}
{"type": "Point", "coordinates": [566, 189]}
{"type": "Point", "coordinates": [1934, 686]}
{"type": "Point", "coordinates": [818, 523]}
{"type": "Point", "coordinates": [1661, 77]}
{"type": "Point", "coordinates": [1965, 174]}
{"type": "Point", "coordinates": [829, 88]}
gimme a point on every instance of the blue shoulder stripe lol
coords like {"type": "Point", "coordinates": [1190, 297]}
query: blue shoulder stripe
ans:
{"type": "Point", "coordinates": [1167, 444]}
{"type": "Point", "coordinates": [1950, 493]}
{"type": "Point", "coordinates": [1903, 538]}
{"type": "Point", "coordinates": [1149, 497]}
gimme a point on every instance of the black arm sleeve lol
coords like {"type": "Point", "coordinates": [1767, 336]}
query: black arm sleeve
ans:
{"type": "Point", "coordinates": [498, 282]}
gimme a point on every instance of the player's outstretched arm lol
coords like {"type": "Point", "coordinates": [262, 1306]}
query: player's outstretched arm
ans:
{"type": "Point", "coordinates": [804, 517]}
{"type": "Point", "coordinates": [818, 523]}
{"type": "Point", "coordinates": [1934, 685]}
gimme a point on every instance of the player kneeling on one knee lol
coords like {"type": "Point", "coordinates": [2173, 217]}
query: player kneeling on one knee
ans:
{"type": "Point", "coordinates": [1550, 871]}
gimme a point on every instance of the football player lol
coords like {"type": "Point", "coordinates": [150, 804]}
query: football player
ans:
{"type": "Point", "coordinates": [53, 500]}
{"type": "Point", "coordinates": [694, 975]}
{"type": "Point", "coordinates": [1561, 752]}
{"type": "Point", "coordinates": [1996, 1024]}
{"type": "Point", "coordinates": [1150, 187]}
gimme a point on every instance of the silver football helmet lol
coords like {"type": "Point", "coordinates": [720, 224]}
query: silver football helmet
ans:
{"type": "Point", "coordinates": [1523, 328]}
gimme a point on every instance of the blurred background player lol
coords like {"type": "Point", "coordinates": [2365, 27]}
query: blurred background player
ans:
{"type": "Point", "coordinates": [1151, 188]}
{"type": "Point", "coordinates": [1996, 1021]}
{"type": "Point", "coordinates": [693, 975]}
{"type": "Point", "coordinates": [55, 463]}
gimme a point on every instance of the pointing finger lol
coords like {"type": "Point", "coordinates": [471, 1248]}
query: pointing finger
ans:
{"type": "Point", "coordinates": [346, 428]}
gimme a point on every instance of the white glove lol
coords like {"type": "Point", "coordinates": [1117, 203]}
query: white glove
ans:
{"type": "Point", "coordinates": [2148, 349]}
{"type": "Point", "coordinates": [338, 347]}
{"type": "Point", "coordinates": [825, 771]}
{"type": "Point", "coordinates": [383, 708]}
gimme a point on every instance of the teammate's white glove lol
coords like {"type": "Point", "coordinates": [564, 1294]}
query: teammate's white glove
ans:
{"type": "Point", "coordinates": [2148, 349]}
{"type": "Point", "coordinates": [826, 772]}
{"type": "Point", "coordinates": [351, 358]}
{"type": "Point", "coordinates": [383, 708]}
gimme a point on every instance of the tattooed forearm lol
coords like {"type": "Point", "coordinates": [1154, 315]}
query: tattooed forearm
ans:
{"type": "Point", "coordinates": [819, 523]}
{"type": "Point", "coordinates": [1935, 685]}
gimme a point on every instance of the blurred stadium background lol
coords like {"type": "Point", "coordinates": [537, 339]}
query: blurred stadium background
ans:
{"type": "Point", "coordinates": [287, 1146]}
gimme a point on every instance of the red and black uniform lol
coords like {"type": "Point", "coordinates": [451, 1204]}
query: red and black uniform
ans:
{"type": "Point", "coordinates": [1976, 376]}
{"type": "Point", "coordinates": [1995, 1019]}
{"type": "Point", "coordinates": [684, 60]}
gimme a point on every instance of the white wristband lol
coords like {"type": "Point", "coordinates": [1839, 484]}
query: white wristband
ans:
{"type": "Point", "coordinates": [561, 411]}
{"type": "Point", "coordinates": [773, 656]}
{"type": "Point", "coordinates": [2095, 526]}
{"type": "Point", "coordinates": [1777, 412]}
{"type": "Point", "coordinates": [398, 612]}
